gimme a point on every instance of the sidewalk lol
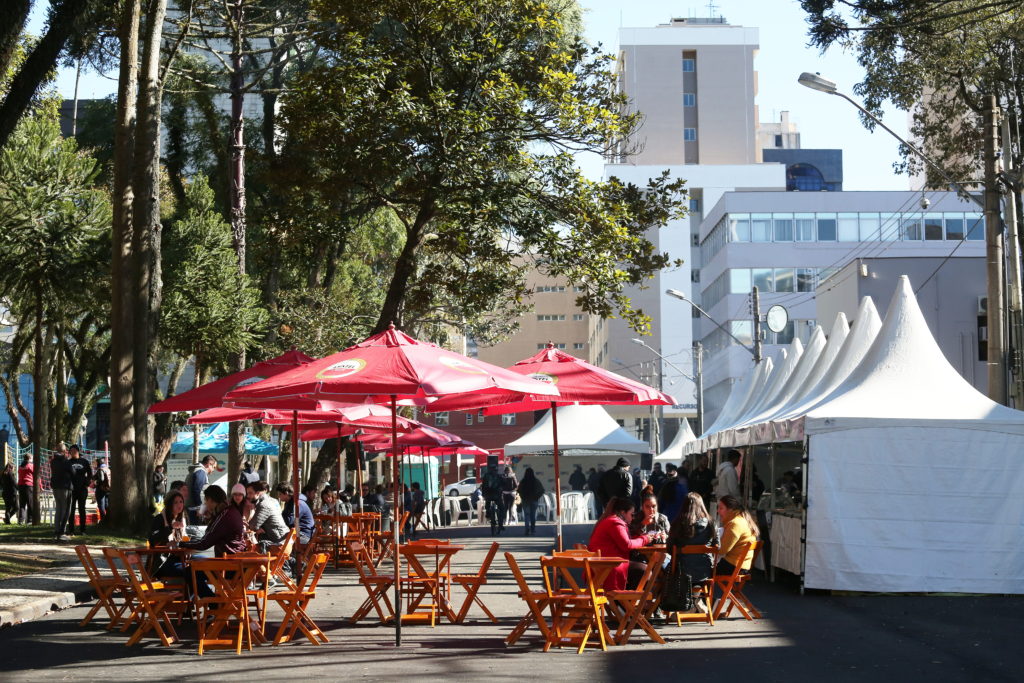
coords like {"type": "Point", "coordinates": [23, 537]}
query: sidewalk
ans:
{"type": "Point", "coordinates": [30, 597]}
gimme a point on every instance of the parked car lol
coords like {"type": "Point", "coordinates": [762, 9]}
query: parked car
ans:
{"type": "Point", "coordinates": [463, 488]}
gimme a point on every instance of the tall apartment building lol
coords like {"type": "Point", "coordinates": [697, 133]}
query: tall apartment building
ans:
{"type": "Point", "coordinates": [778, 135]}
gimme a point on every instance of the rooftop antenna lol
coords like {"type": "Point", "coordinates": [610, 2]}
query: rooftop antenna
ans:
{"type": "Point", "coordinates": [711, 9]}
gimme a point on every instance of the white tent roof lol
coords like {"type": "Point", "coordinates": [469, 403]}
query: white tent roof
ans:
{"type": "Point", "coordinates": [586, 428]}
{"type": "Point", "coordinates": [904, 378]}
{"type": "Point", "coordinates": [676, 450]}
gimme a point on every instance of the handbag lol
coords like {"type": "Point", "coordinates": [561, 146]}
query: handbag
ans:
{"type": "Point", "coordinates": [677, 592]}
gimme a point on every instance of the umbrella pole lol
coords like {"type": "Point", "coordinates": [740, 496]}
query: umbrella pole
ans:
{"type": "Point", "coordinates": [395, 520]}
{"type": "Point", "coordinates": [359, 472]}
{"type": "Point", "coordinates": [295, 470]}
{"type": "Point", "coordinates": [558, 477]}
{"type": "Point", "coordinates": [341, 483]}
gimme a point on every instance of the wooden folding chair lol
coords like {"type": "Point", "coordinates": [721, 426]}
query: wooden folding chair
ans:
{"type": "Point", "coordinates": [536, 602]}
{"type": "Point", "coordinates": [150, 602]}
{"type": "Point", "coordinates": [577, 611]}
{"type": "Point", "coordinates": [471, 583]}
{"type": "Point", "coordinates": [106, 588]}
{"type": "Point", "coordinates": [732, 589]}
{"type": "Point", "coordinates": [635, 607]}
{"type": "Point", "coordinates": [377, 585]}
{"type": "Point", "coordinates": [294, 603]}
{"type": "Point", "coordinates": [703, 591]}
{"type": "Point", "coordinates": [229, 578]}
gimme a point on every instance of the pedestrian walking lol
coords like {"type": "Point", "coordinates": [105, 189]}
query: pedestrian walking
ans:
{"type": "Point", "coordinates": [60, 485]}
{"type": "Point", "coordinates": [26, 501]}
{"type": "Point", "coordinates": [81, 477]}
{"type": "Point", "coordinates": [159, 484]}
{"type": "Point", "coordinates": [9, 489]}
{"type": "Point", "coordinates": [102, 494]}
{"type": "Point", "coordinates": [509, 484]}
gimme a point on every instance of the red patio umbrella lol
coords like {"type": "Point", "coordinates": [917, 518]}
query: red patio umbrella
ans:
{"type": "Point", "coordinates": [385, 368]}
{"type": "Point", "coordinates": [578, 382]}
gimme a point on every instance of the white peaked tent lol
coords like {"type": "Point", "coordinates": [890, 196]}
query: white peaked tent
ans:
{"type": "Point", "coordinates": [912, 483]}
{"type": "Point", "coordinates": [581, 428]}
{"type": "Point", "coordinates": [677, 450]}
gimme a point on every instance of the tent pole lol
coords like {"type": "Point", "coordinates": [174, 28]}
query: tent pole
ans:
{"type": "Point", "coordinates": [771, 497]}
{"type": "Point", "coordinates": [395, 519]}
{"type": "Point", "coordinates": [558, 477]}
{"type": "Point", "coordinates": [803, 509]}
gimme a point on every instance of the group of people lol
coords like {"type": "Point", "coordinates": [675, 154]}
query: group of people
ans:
{"type": "Point", "coordinates": [72, 477]}
{"type": "Point", "coordinates": [502, 492]}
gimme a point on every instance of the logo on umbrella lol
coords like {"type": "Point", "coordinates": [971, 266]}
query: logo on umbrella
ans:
{"type": "Point", "coordinates": [341, 369]}
{"type": "Point", "coordinates": [461, 366]}
{"type": "Point", "coordinates": [250, 380]}
{"type": "Point", "coordinates": [544, 377]}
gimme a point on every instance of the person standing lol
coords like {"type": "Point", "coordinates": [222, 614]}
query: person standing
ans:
{"type": "Point", "coordinates": [81, 476]}
{"type": "Point", "coordinates": [102, 492]}
{"type": "Point", "coordinates": [727, 480]}
{"type": "Point", "coordinates": [60, 485]}
{"type": "Point", "coordinates": [159, 484]}
{"type": "Point", "coordinates": [509, 484]}
{"type": "Point", "coordinates": [197, 481]}
{"type": "Point", "coordinates": [248, 476]}
{"type": "Point", "coordinates": [657, 478]}
{"type": "Point", "coordinates": [26, 478]}
{"type": "Point", "coordinates": [9, 488]}
{"type": "Point", "coordinates": [700, 479]}
{"type": "Point", "coordinates": [490, 489]}
{"type": "Point", "coordinates": [615, 483]}
{"type": "Point", "coordinates": [577, 480]}
{"type": "Point", "coordinates": [530, 491]}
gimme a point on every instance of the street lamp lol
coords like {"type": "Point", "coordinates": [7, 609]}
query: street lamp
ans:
{"type": "Point", "coordinates": [675, 293]}
{"type": "Point", "coordinates": [698, 380]}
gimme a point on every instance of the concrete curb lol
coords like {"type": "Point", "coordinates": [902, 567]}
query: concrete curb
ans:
{"type": "Point", "coordinates": [36, 608]}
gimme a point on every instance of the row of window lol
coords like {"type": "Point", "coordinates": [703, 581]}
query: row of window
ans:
{"type": "Point", "coordinates": [577, 346]}
{"type": "Point", "coordinates": [443, 419]}
{"type": "Point", "coordinates": [841, 227]}
{"type": "Point", "coordinates": [556, 317]}
{"type": "Point", "coordinates": [767, 280]}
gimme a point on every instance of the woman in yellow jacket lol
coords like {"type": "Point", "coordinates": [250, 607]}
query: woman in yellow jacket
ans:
{"type": "Point", "coordinates": [738, 528]}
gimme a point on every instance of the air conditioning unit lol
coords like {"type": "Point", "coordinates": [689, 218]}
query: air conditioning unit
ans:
{"type": "Point", "coordinates": [982, 305]}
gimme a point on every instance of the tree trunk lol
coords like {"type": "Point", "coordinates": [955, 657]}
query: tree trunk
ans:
{"type": "Point", "coordinates": [14, 15]}
{"type": "Point", "coordinates": [405, 267]}
{"type": "Point", "coordinates": [323, 467]}
{"type": "Point", "coordinates": [39, 408]}
{"type": "Point", "coordinates": [236, 442]}
{"type": "Point", "coordinates": [163, 435]}
{"type": "Point", "coordinates": [284, 460]}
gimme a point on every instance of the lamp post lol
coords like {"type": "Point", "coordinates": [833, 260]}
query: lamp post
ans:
{"type": "Point", "coordinates": [755, 352]}
{"type": "Point", "coordinates": [993, 225]}
{"type": "Point", "coordinates": [698, 380]}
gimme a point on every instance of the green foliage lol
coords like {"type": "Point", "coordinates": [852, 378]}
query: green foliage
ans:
{"type": "Point", "coordinates": [460, 117]}
{"type": "Point", "coordinates": [209, 307]}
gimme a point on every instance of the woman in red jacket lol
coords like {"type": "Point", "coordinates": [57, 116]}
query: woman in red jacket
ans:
{"type": "Point", "coordinates": [611, 538]}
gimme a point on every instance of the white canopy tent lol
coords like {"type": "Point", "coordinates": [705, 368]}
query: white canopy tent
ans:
{"type": "Point", "coordinates": [676, 451]}
{"type": "Point", "coordinates": [580, 428]}
{"type": "Point", "coordinates": [910, 478]}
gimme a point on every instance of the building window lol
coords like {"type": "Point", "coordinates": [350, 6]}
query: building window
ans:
{"type": "Point", "coordinates": [469, 419]}
{"type": "Point", "coordinates": [694, 206]}
{"type": "Point", "coordinates": [689, 99]}
{"type": "Point", "coordinates": [578, 346]}
{"type": "Point", "coordinates": [577, 317]}
{"type": "Point", "coordinates": [441, 419]}
{"type": "Point", "coordinates": [690, 134]}
{"type": "Point", "coordinates": [541, 289]}
{"type": "Point", "coordinates": [826, 228]}
{"type": "Point", "coordinates": [560, 346]}
{"type": "Point", "coordinates": [778, 141]}
{"type": "Point", "coordinates": [577, 289]}
{"type": "Point", "coordinates": [480, 416]}
{"type": "Point", "coordinates": [508, 419]}
{"type": "Point", "coordinates": [550, 317]}
{"type": "Point", "coordinates": [933, 226]}
{"type": "Point", "coordinates": [689, 65]}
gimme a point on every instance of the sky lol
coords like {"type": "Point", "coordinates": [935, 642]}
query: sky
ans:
{"type": "Point", "coordinates": [823, 121]}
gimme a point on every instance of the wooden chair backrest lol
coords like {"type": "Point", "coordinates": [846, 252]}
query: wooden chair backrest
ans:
{"type": "Point", "coordinates": [361, 560]}
{"type": "Point", "coordinates": [482, 572]}
{"type": "Point", "coordinates": [429, 541]}
{"type": "Point", "coordinates": [517, 574]}
{"type": "Point", "coordinates": [91, 570]}
{"type": "Point", "coordinates": [312, 573]}
{"type": "Point", "coordinates": [746, 548]}
{"type": "Point", "coordinates": [557, 569]}
{"type": "Point", "coordinates": [222, 573]}
{"type": "Point", "coordinates": [135, 570]}
{"type": "Point", "coordinates": [576, 552]}
{"type": "Point", "coordinates": [113, 556]}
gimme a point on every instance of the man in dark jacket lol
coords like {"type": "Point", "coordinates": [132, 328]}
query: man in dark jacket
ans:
{"type": "Point", "coordinates": [284, 493]}
{"type": "Point", "coordinates": [197, 481]}
{"type": "Point", "coordinates": [491, 490]}
{"type": "Point", "coordinates": [248, 476]}
{"type": "Point", "coordinates": [60, 483]}
{"type": "Point", "coordinates": [657, 478]}
{"type": "Point", "coordinates": [577, 480]}
{"type": "Point", "coordinates": [616, 482]}
{"type": "Point", "coordinates": [81, 476]}
{"type": "Point", "coordinates": [700, 479]}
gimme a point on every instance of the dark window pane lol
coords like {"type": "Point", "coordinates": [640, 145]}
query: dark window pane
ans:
{"type": "Point", "coordinates": [954, 229]}
{"type": "Point", "coordinates": [826, 230]}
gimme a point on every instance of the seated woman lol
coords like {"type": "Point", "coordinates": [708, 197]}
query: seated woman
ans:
{"type": "Point", "coordinates": [611, 538]}
{"type": "Point", "coordinates": [328, 501]}
{"type": "Point", "coordinates": [167, 528]}
{"type": "Point", "coordinates": [738, 527]}
{"type": "Point", "coordinates": [649, 521]}
{"type": "Point", "coordinates": [692, 526]}
{"type": "Point", "coordinates": [226, 531]}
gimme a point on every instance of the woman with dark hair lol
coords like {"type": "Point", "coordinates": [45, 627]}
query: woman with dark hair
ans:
{"type": "Point", "coordinates": [226, 532]}
{"type": "Point", "coordinates": [693, 527]}
{"type": "Point", "coordinates": [530, 490]}
{"type": "Point", "coordinates": [168, 527]}
{"type": "Point", "coordinates": [649, 520]}
{"type": "Point", "coordinates": [611, 538]}
{"type": "Point", "coordinates": [738, 528]}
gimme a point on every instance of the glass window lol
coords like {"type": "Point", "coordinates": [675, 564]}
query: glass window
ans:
{"type": "Point", "coordinates": [890, 230]}
{"type": "Point", "coordinates": [848, 230]}
{"type": "Point", "coordinates": [805, 279]}
{"type": "Point", "coordinates": [689, 99]}
{"type": "Point", "coordinates": [762, 278]}
{"type": "Point", "coordinates": [742, 330]}
{"type": "Point", "coordinates": [826, 227]}
{"type": "Point", "coordinates": [739, 280]}
{"type": "Point", "coordinates": [577, 346]}
{"type": "Point", "coordinates": [469, 418]}
{"type": "Point", "coordinates": [761, 227]}
{"type": "Point", "coordinates": [933, 226]}
{"type": "Point", "coordinates": [786, 335]}
{"type": "Point", "coordinates": [975, 226]}
{"type": "Point", "coordinates": [577, 317]}
{"type": "Point", "coordinates": [740, 227]}
{"type": "Point", "coordinates": [784, 280]}
{"type": "Point", "coordinates": [869, 226]}
{"type": "Point", "coordinates": [508, 419]}
{"type": "Point", "coordinates": [804, 227]}
{"type": "Point", "coordinates": [910, 228]}
{"type": "Point", "coordinates": [954, 228]}
{"type": "Point", "coordinates": [480, 416]}
{"type": "Point", "coordinates": [783, 228]}
{"type": "Point", "coordinates": [689, 134]}
{"type": "Point", "coordinates": [688, 64]}
{"type": "Point", "coordinates": [441, 419]}
{"type": "Point", "coordinates": [695, 206]}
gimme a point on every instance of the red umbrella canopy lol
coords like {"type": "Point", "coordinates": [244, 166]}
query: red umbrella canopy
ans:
{"type": "Point", "coordinates": [423, 435]}
{"type": "Point", "coordinates": [393, 364]}
{"type": "Point", "coordinates": [577, 381]}
{"type": "Point", "coordinates": [324, 431]}
{"type": "Point", "coordinates": [212, 395]}
{"type": "Point", "coordinates": [364, 414]}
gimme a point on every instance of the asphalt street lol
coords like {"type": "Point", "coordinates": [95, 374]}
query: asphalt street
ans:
{"type": "Point", "coordinates": [814, 637]}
